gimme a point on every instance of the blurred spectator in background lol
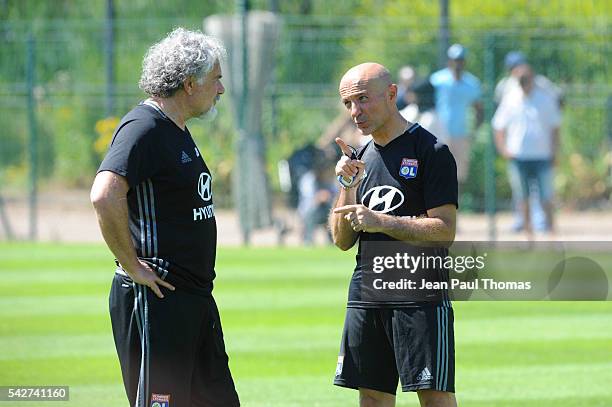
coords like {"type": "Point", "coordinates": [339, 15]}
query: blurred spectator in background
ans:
{"type": "Point", "coordinates": [410, 111]}
{"type": "Point", "coordinates": [423, 110]}
{"type": "Point", "coordinates": [455, 91]}
{"type": "Point", "coordinates": [292, 169]}
{"type": "Point", "coordinates": [302, 175]}
{"type": "Point", "coordinates": [316, 190]}
{"type": "Point", "coordinates": [514, 63]}
{"type": "Point", "coordinates": [526, 128]}
{"type": "Point", "coordinates": [405, 78]}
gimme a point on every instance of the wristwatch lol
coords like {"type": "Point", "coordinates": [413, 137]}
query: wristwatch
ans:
{"type": "Point", "coordinates": [348, 183]}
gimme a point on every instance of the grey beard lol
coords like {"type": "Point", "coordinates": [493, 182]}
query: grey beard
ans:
{"type": "Point", "coordinates": [210, 115]}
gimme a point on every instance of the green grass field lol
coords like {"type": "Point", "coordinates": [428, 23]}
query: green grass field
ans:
{"type": "Point", "coordinates": [282, 312]}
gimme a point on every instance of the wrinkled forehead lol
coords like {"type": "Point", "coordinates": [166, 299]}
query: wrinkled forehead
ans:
{"type": "Point", "coordinates": [354, 86]}
{"type": "Point", "coordinates": [365, 78]}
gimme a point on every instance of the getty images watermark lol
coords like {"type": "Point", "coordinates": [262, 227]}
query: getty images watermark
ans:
{"type": "Point", "coordinates": [519, 271]}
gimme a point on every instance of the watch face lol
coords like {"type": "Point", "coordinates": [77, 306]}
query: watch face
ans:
{"type": "Point", "coordinates": [345, 182]}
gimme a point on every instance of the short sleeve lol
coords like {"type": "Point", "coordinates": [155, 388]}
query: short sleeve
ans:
{"type": "Point", "coordinates": [500, 89]}
{"type": "Point", "coordinates": [132, 153]}
{"type": "Point", "coordinates": [500, 121]}
{"type": "Point", "coordinates": [436, 78]}
{"type": "Point", "coordinates": [439, 176]}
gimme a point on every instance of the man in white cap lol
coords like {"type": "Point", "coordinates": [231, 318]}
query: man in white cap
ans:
{"type": "Point", "coordinates": [455, 91]}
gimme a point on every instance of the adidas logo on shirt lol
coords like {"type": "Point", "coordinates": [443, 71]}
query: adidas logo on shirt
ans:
{"type": "Point", "coordinates": [185, 158]}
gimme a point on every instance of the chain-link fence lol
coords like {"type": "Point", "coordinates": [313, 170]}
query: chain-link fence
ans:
{"type": "Point", "coordinates": [54, 94]}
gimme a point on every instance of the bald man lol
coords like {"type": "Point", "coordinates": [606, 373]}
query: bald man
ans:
{"type": "Point", "coordinates": [403, 190]}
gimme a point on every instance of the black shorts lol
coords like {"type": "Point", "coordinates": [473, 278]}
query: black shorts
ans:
{"type": "Point", "coordinates": [171, 350]}
{"type": "Point", "coordinates": [380, 345]}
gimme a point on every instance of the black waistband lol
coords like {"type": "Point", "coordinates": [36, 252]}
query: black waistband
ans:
{"type": "Point", "coordinates": [204, 290]}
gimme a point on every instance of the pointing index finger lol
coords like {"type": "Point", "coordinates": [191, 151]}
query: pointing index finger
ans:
{"type": "Point", "coordinates": [346, 208]}
{"type": "Point", "coordinates": [346, 149]}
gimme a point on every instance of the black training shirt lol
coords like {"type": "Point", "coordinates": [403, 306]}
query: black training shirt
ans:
{"type": "Point", "coordinates": [408, 176]}
{"type": "Point", "coordinates": [171, 214]}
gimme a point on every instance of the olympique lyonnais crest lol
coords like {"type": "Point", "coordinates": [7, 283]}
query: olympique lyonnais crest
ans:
{"type": "Point", "coordinates": [409, 168]}
{"type": "Point", "coordinates": [160, 400]}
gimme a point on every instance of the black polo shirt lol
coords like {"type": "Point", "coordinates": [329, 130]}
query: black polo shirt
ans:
{"type": "Point", "coordinates": [170, 201]}
{"type": "Point", "coordinates": [408, 176]}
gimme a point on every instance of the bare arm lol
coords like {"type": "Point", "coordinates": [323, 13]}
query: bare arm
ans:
{"type": "Point", "coordinates": [343, 234]}
{"type": "Point", "coordinates": [500, 143]}
{"type": "Point", "coordinates": [438, 228]}
{"type": "Point", "coordinates": [109, 198]}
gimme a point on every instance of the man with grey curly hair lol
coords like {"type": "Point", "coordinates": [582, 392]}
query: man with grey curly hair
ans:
{"type": "Point", "coordinates": [153, 197]}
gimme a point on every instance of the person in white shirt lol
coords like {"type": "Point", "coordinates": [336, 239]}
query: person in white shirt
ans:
{"type": "Point", "coordinates": [513, 62]}
{"type": "Point", "coordinates": [526, 128]}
